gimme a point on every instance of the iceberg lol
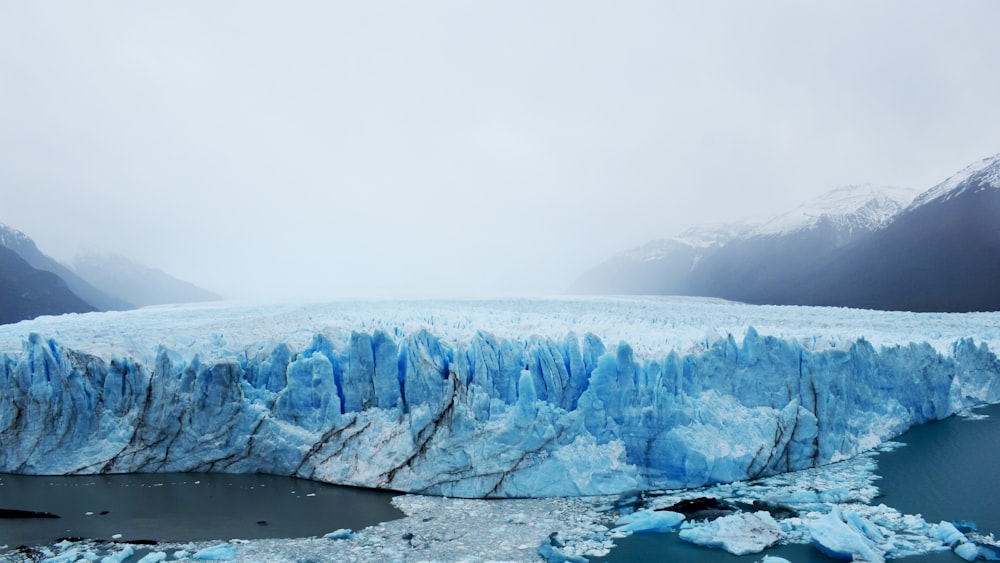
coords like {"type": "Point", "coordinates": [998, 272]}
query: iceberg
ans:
{"type": "Point", "coordinates": [649, 521]}
{"type": "Point", "coordinates": [544, 398]}
{"type": "Point", "coordinates": [740, 534]}
{"type": "Point", "coordinates": [220, 552]}
{"type": "Point", "coordinates": [846, 535]}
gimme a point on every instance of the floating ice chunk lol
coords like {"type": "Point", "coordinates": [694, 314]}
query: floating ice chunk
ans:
{"type": "Point", "coordinates": [740, 534]}
{"type": "Point", "coordinates": [69, 556]}
{"type": "Point", "coordinates": [119, 556]}
{"type": "Point", "coordinates": [341, 534]}
{"type": "Point", "coordinates": [839, 494]}
{"type": "Point", "coordinates": [154, 557]}
{"type": "Point", "coordinates": [551, 552]}
{"type": "Point", "coordinates": [967, 551]}
{"type": "Point", "coordinates": [773, 559]}
{"type": "Point", "coordinates": [948, 534]}
{"type": "Point", "coordinates": [649, 521]}
{"type": "Point", "coordinates": [843, 536]}
{"type": "Point", "coordinates": [220, 552]}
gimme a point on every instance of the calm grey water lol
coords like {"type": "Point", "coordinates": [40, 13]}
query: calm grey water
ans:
{"type": "Point", "coordinates": [184, 507]}
{"type": "Point", "coordinates": [946, 471]}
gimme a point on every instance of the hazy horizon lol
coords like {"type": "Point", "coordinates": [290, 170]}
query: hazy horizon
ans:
{"type": "Point", "coordinates": [443, 149]}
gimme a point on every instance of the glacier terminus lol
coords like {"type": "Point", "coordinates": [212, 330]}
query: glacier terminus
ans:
{"type": "Point", "coordinates": [483, 399]}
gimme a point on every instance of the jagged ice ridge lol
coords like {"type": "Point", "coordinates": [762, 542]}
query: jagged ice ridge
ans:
{"type": "Point", "coordinates": [482, 399]}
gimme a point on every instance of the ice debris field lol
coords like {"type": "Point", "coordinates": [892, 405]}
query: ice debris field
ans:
{"type": "Point", "coordinates": [529, 398]}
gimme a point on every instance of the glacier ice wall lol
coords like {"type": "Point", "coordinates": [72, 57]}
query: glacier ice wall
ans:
{"type": "Point", "coordinates": [486, 416]}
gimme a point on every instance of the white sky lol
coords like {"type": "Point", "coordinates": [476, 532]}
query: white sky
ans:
{"type": "Point", "coordinates": [349, 149]}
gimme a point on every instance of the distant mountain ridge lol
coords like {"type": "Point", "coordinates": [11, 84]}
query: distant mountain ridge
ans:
{"type": "Point", "coordinates": [136, 283]}
{"type": "Point", "coordinates": [856, 246]}
{"type": "Point", "coordinates": [861, 207]}
{"type": "Point", "coordinates": [33, 283]}
{"type": "Point", "coordinates": [26, 248]}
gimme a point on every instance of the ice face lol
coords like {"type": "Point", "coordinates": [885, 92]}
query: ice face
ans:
{"type": "Point", "coordinates": [508, 403]}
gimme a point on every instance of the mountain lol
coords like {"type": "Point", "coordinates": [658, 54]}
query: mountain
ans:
{"type": "Point", "coordinates": [136, 283]}
{"type": "Point", "coordinates": [725, 260]}
{"type": "Point", "coordinates": [940, 254]}
{"type": "Point", "coordinates": [27, 292]}
{"type": "Point", "coordinates": [662, 266]}
{"type": "Point", "coordinates": [857, 246]}
{"type": "Point", "coordinates": [26, 248]}
{"type": "Point", "coordinates": [781, 259]}
{"type": "Point", "coordinates": [848, 210]}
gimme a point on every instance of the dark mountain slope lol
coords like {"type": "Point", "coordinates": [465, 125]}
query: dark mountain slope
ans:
{"type": "Point", "coordinates": [941, 256]}
{"type": "Point", "coordinates": [774, 270]}
{"type": "Point", "coordinates": [26, 248]}
{"type": "Point", "coordinates": [27, 292]}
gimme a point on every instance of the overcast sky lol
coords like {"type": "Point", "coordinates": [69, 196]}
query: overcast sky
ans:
{"type": "Point", "coordinates": [407, 149]}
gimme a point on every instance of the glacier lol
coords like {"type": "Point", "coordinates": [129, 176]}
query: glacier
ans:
{"type": "Point", "coordinates": [483, 399]}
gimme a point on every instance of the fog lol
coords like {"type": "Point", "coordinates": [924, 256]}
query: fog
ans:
{"type": "Point", "coordinates": [464, 149]}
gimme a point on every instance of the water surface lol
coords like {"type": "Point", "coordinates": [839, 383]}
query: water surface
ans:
{"type": "Point", "coordinates": [182, 507]}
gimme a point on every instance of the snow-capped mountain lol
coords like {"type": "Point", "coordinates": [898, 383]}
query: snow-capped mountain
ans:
{"type": "Point", "coordinates": [856, 246]}
{"type": "Point", "coordinates": [981, 175]}
{"type": "Point", "coordinates": [26, 248]}
{"type": "Point", "coordinates": [707, 237]}
{"type": "Point", "coordinates": [137, 284]}
{"type": "Point", "coordinates": [857, 208]}
{"type": "Point", "coordinates": [941, 254]}
{"type": "Point", "coordinates": [704, 260]}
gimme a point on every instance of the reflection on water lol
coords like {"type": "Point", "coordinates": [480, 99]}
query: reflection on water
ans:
{"type": "Point", "coordinates": [184, 507]}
